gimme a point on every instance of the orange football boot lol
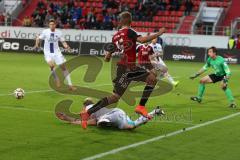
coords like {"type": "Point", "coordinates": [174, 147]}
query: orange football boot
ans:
{"type": "Point", "coordinates": [84, 119]}
{"type": "Point", "coordinates": [143, 111]}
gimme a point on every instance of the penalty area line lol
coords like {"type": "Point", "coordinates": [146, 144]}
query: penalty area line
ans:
{"type": "Point", "coordinates": [114, 151]}
{"type": "Point", "coordinates": [51, 90]}
{"type": "Point", "coordinates": [29, 92]}
{"type": "Point", "coordinates": [25, 109]}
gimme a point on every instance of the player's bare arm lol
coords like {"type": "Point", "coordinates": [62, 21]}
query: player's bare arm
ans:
{"type": "Point", "coordinates": [152, 59]}
{"type": "Point", "coordinates": [201, 71]}
{"type": "Point", "coordinates": [159, 54]}
{"type": "Point", "coordinates": [108, 56]}
{"type": "Point", "coordinates": [91, 122]}
{"type": "Point", "coordinates": [71, 120]}
{"type": "Point", "coordinates": [37, 42]}
{"type": "Point", "coordinates": [155, 55]}
{"type": "Point", "coordinates": [66, 46]}
{"type": "Point", "coordinates": [144, 39]}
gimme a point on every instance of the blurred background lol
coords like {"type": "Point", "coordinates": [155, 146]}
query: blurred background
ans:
{"type": "Point", "coordinates": [186, 20]}
{"type": "Point", "coordinates": [210, 17]}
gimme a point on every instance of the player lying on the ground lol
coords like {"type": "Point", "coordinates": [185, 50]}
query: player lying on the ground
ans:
{"type": "Point", "coordinates": [149, 56]}
{"type": "Point", "coordinates": [125, 41]}
{"type": "Point", "coordinates": [222, 73]}
{"type": "Point", "coordinates": [52, 53]}
{"type": "Point", "coordinates": [106, 117]}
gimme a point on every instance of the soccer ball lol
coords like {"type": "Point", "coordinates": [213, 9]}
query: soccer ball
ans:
{"type": "Point", "coordinates": [19, 93]}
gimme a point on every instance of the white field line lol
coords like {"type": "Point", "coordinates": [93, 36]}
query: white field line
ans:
{"type": "Point", "coordinates": [175, 122]}
{"type": "Point", "coordinates": [25, 109]}
{"type": "Point", "coordinates": [114, 151]}
{"type": "Point", "coordinates": [29, 92]}
{"type": "Point", "coordinates": [51, 90]}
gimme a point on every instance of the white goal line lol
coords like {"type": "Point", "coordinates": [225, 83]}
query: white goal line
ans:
{"type": "Point", "coordinates": [114, 151]}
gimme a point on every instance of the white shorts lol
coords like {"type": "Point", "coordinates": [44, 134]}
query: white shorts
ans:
{"type": "Point", "coordinates": [57, 58]}
{"type": "Point", "coordinates": [159, 66]}
{"type": "Point", "coordinates": [161, 62]}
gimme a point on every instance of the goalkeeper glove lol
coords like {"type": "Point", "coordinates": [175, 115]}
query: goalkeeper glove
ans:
{"type": "Point", "coordinates": [194, 76]}
{"type": "Point", "coordinates": [225, 80]}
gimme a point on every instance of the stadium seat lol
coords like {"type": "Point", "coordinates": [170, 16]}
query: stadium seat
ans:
{"type": "Point", "coordinates": [155, 18]}
{"type": "Point", "coordinates": [170, 18]}
{"type": "Point", "coordinates": [180, 13]}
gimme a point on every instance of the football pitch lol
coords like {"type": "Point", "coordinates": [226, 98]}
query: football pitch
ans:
{"type": "Point", "coordinates": [30, 130]}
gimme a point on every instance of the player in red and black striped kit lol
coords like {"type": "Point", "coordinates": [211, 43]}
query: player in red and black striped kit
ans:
{"type": "Point", "coordinates": [127, 71]}
{"type": "Point", "coordinates": [144, 51]}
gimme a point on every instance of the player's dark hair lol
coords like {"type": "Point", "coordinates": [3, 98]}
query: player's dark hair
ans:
{"type": "Point", "coordinates": [52, 20]}
{"type": "Point", "coordinates": [214, 49]}
{"type": "Point", "coordinates": [125, 18]}
{"type": "Point", "coordinates": [88, 101]}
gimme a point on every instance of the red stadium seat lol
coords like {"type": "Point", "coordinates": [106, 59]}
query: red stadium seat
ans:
{"type": "Point", "coordinates": [166, 13]}
{"type": "Point", "coordinates": [98, 10]}
{"type": "Point", "coordinates": [135, 1]}
{"type": "Point", "coordinates": [168, 18]}
{"type": "Point", "coordinates": [164, 19]}
{"type": "Point", "coordinates": [150, 30]}
{"type": "Point", "coordinates": [159, 24]}
{"type": "Point", "coordinates": [88, 4]}
{"type": "Point", "coordinates": [225, 4]}
{"type": "Point", "coordinates": [196, 3]}
{"type": "Point", "coordinates": [94, 4]}
{"type": "Point", "coordinates": [160, 13]}
{"type": "Point", "coordinates": [173, 13]}
{"type": "Point", "coordinates": [99, 5]}
{"type": "Point", "coordinates": [180, 13]}
{"type": "Point", "coordinates": [132, 6]}
{"type": "Point", "coordinates": [148, 24]}
{"type": "Point", "coordinates": [138, 24]}
{"type": "Point", "coordinates": [154, 24]}
{"type": "Point", "coordinates": [176, 19]}
{"type": "Point", "coordinates": [133, 24]}
{"type": "Point", "coordinates": [155, 18]}
{"type": "Point", "coordinates": [169, 31]}
{"type": "Point", "coordinates": [195, 8]}
{"type": "Point", "coordinates": [81, 4]}
{"type": "Point", "coordinates": [182, 8]}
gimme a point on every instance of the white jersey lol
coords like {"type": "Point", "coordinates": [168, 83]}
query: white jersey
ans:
{"type": "Point", "coordinates": [158, 63]}
{"type": "Point", "coordinates": [116, 116]}
{"type": "Point", "coordinates": [51, 40]}
{"type": "Point", "coordinates": [100, 112]}
{"type": "Point", "coordinates": [157, 48]}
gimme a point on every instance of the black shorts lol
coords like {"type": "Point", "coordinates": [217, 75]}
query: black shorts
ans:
{"type": "Point", "coordinates": [147, 66]}
{"type": "Point", "coordinates": [124, 76]}
{"type": "Point", "coordinates": [215, 78]}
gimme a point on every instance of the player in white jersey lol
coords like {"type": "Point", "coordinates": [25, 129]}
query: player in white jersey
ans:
{"type": "Point", "coordinates": [158, 64]}
{"type": "Point", "coordinates": [106, 117]}
{"type": "Point", "coordinates": [52, 53]}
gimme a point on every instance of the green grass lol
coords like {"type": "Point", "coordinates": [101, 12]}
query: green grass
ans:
{"type": "Point", "coordinates": [29, 129]}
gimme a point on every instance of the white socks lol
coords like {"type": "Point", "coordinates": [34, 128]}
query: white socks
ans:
{"type": "Point", "coordinates": [169, 78]}
{"type": "Point", "coordinates": [67, 77]}
{"type": "Point", "coordinates": [54, 74]}
{"type": "Point", "coordinates": [141, 120]}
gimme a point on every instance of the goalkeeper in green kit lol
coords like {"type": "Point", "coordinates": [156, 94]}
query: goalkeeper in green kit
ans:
{"type": "Point", "coordinates": [222, 73]}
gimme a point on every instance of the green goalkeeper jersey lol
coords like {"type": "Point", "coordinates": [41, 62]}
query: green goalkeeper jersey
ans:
{"type": "Point", "coordinates": [219, 65]}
